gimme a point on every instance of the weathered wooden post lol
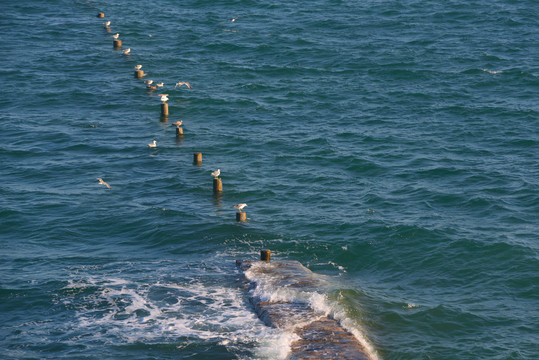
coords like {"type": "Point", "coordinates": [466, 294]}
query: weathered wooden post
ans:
{"type": "Point", "coordinates": [197, 158]}
{"type": "Point", "coordinates": [117, 44]}
{"type": "Point", "coordinates": [217, 186]}
{"type": "Point", "coordinates": [101, 15]}
{"type": "Point", "coordinates": [241, 216]}
{"type": "Point", "coordinates": [139, 74]}
{"type": "Point", "coordinates": [164, 109]}
{"type": "Point", "coordinates": [265, 255]}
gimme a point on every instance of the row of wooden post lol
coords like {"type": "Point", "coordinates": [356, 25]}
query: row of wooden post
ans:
{"type": "Point", "coordinates": [241, 216]}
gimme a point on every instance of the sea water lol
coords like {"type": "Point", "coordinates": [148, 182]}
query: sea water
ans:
{"type": "Point", "coordinates": [389, 146]}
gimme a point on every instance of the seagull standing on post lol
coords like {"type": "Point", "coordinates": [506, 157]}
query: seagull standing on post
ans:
{"type": "Point", "coordinates": [240, 206]}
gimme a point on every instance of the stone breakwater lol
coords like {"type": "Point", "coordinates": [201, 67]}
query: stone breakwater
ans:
{"type": "Point", "coordinates": [275, 293]}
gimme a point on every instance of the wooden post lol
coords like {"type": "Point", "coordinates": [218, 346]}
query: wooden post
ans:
{"type": "Point", "coordinates": [164, 109]}
{"type": "Point", "coordinates": [117, 44]}
{"type": "Point", "coordinates": [265, 255]}
{"type": "Point", "coordinates": [179, 131]}
{"type": "Point", "coordinates": [139, 74]}
{"type": "Point", "coordinates": [241, 216]}
{"type": "Point", "coordinates": [101, 15]}
{"type": "Point", "coordinates": [217, 186]}
{"type": "Point", "coordinates": [197, 158]}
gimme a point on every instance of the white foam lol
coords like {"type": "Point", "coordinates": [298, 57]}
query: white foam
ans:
{"type": "Point", "coordinates": [493, 71]}
{"type": "Point", "coordinates": [269, 288]}
{"type": "Point", "coordinates": [117, 310]}
{"type": "Point", "coordinates": [359, 334]}
{"type": "Point", "coordinates": [411, 306]}
{"type": "Point", "coordinates": [340, 267]}
{"type": "Point", "coordinates": [132, 312]}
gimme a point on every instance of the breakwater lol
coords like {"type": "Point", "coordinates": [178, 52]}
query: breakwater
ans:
{"type": "Point", "coordinates": [288, 296]}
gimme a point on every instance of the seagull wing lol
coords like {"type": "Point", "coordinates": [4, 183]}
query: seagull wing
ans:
{"type": "Point", "coordinates": [183, 83]}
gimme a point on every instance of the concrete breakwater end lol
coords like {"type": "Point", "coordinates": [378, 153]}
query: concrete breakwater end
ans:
{"type": "Point", "coordinates": [319, 335]}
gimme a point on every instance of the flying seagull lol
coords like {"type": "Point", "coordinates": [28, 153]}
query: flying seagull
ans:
{"type": "Point", "coordinates": [103, 183]}
{"type": "Point", "coordinates": [180, 83]}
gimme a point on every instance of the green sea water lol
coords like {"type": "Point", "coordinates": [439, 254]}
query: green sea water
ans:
{"type": "Point", "coordinates": [389, 146]}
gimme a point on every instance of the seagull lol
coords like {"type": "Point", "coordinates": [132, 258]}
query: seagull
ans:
{"type": "Point", "coordinates": [216, 173]}
{"type": "Point", "coordinates": [153, 144]}
{"type": "Point", "coordinates": [240, 206]}
{"type": "Point", "coordinates": [149, 82]}
{"type": "Point", "coordinates": [106, 23]}
{"type": "Point", "coordinates": [138, 67]}
{"type": "Point", "coordinates": [161, 84]}
{"type": "Point", "coordinates": [232, 20]}
{"type": "Point", "coordinates": [164, 97]}
{"type": "Point", "coordinates": [180, 83]}
{"type": "Point", "coordinates": [127, 51]}
{"type": "Point", "coordinates": [103, 183]}
{"type": "Point", "coordinates": [178, 123]}
{"type": "Point", "coordinates": [116, 36]}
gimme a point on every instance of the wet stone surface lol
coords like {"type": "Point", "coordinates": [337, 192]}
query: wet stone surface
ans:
{"type": "Point", "coordinates": [320, 336]}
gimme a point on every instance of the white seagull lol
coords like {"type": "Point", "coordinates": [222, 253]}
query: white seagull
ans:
{"type": "Point", "coordinates": [127, 51]}
{"type": "Point", "coordinates": [180, 83]}
{"type": "Point", "coordinates": [149, 82]}
{"type": "Point", "coordinates": [153, 144]}
{"type": "Point", "coordinates": [216, 173]}
{"type": "Point", "coordinates": [161, 84]}
{"type": "Point", "coordinates": [116, 36]}
{"type": "Point", "coordinates": [103, 183]}
{"type": "Point", "coordinates": [106, 23]}
{"type": "Point", "coordinates": [178, 123]}
{"type": "Point", "coordinates": [138, 67]}
{"type": "Point", "coordinates": [240, 206]}
{"type": "Point", "coordinates": [164, 97]}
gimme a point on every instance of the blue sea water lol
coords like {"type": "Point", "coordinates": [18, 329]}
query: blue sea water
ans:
{"type": "Point", "coordinates": [390, 146]}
